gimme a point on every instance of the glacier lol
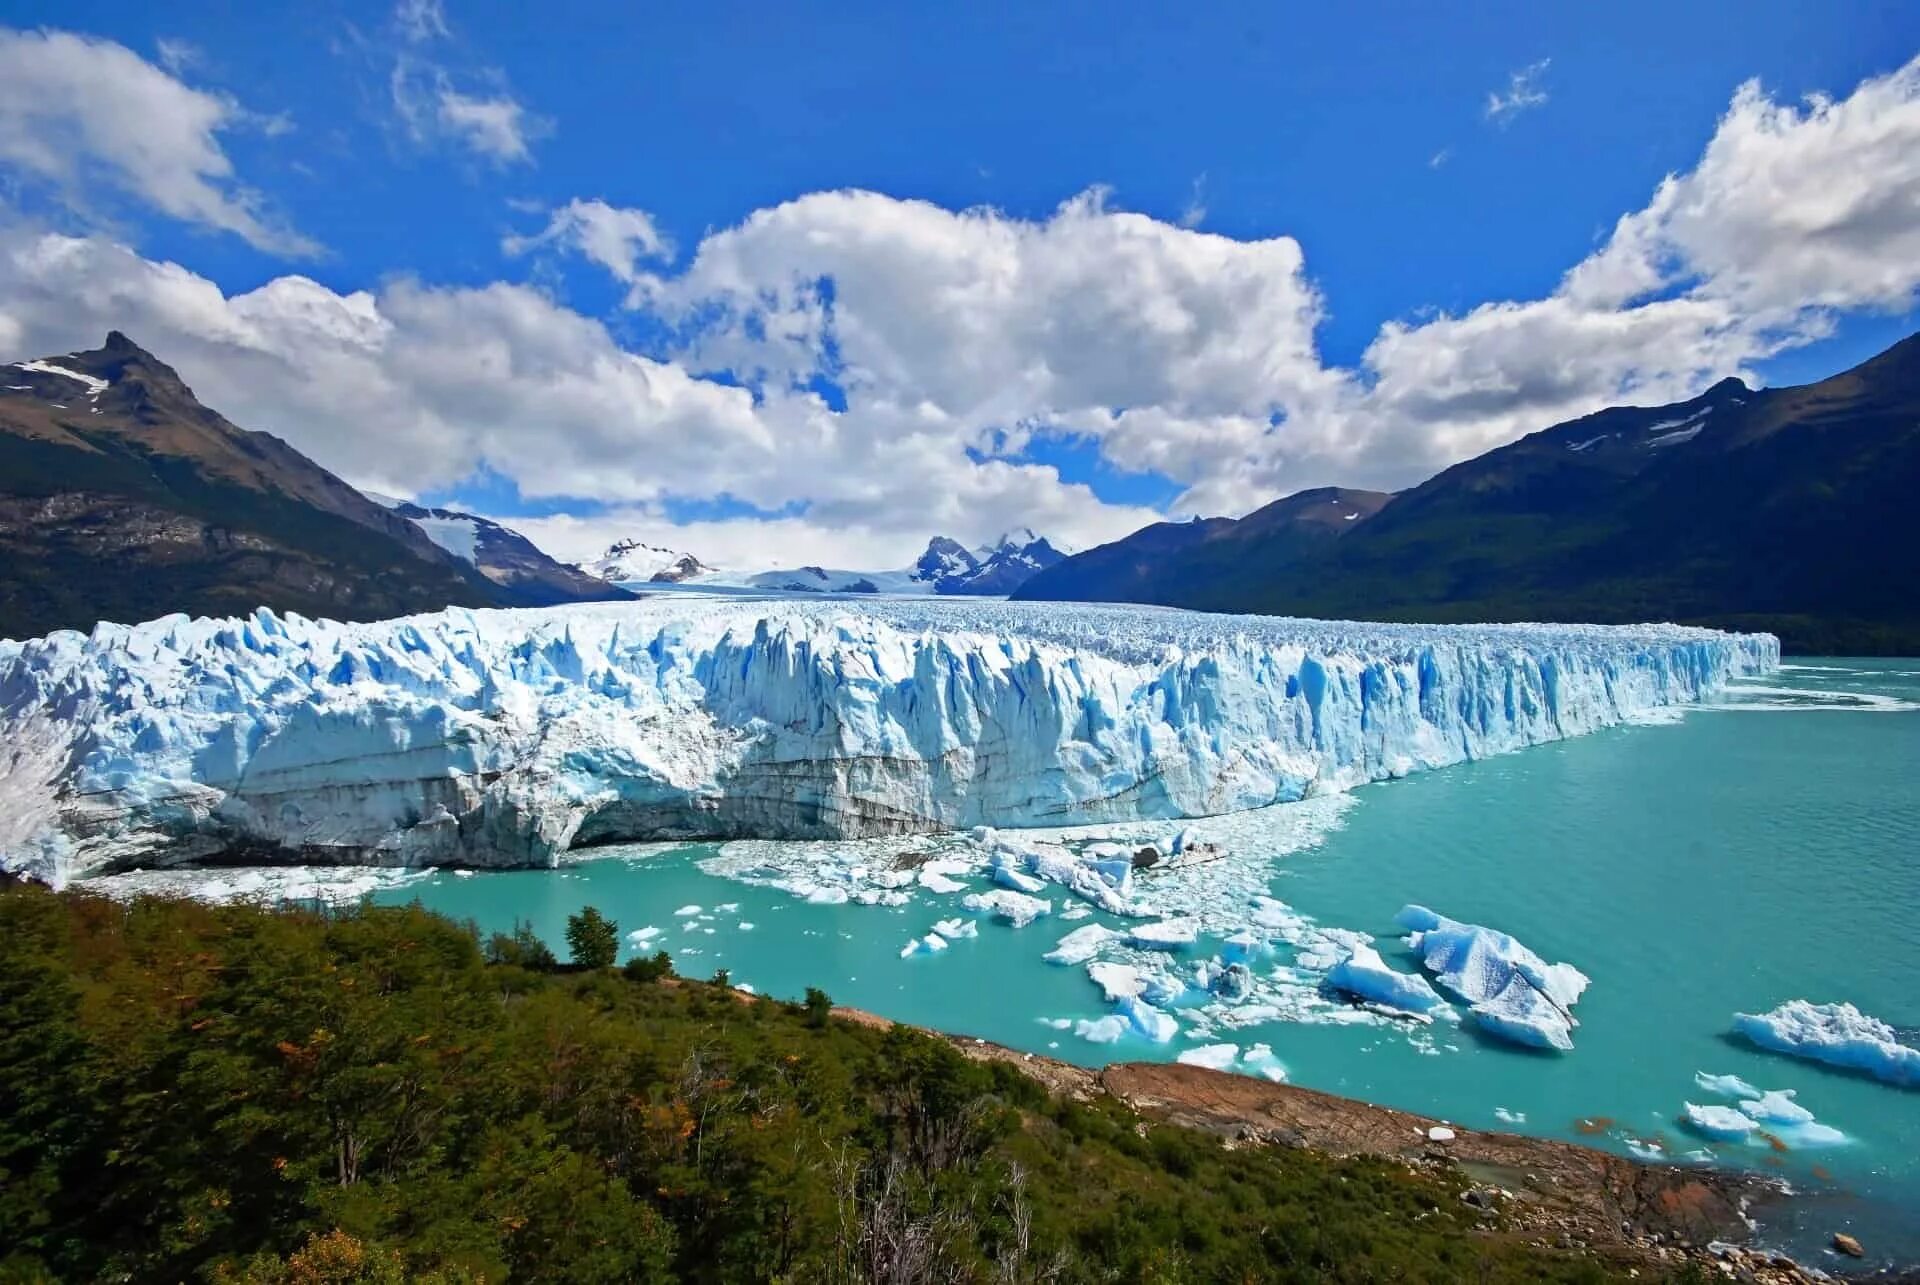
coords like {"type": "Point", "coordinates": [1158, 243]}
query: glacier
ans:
{"type": "Point", "coordinates": [506, 738]}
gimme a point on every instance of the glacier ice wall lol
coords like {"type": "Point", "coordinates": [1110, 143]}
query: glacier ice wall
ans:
{"type": "Point", "coordinates": [503, 738]}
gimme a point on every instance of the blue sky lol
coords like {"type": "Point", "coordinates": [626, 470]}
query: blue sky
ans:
{"type": "Point", "coordinates": [1419, 163]}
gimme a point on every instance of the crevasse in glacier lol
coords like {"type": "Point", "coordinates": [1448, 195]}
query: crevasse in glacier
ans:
{"type": "Point", "coordinates": [503, 738]}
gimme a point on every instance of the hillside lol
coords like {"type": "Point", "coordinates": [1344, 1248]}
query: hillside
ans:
{"type": "Point", "coordinates": [241, 1095]}
{"type": "Point", "coordinates": [123, 498]}
{"type": "Point", "coordinates": [526, 576]}
{"type": "Point", "coordinates": [1788, 510]}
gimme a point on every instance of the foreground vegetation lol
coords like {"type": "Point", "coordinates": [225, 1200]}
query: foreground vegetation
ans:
{"type": "Point", "coordinates": [241, 1095]}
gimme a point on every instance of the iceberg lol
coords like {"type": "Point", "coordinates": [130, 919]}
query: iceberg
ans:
{"type": "Point", "coordinates": [1016, 908]}
{"type": "Point", "coordinates": [1164, 934]}
{"type": "Point", "coordinates": [1102, 1030]}
{"type": "Point", "coordinates": [1364, 975]}
{"type": "Point", "coordinates": [1837, 1034]}
{"type": "Point", "coordinates": [1215, 1057]}
{"type": "Point", "coordinates": [506, 738]}
{"type": "Point", "coordinates": [955, 929]}
{"type": "Point", "coordinates": [1727, 1086]}
{"type": "Point", "coordinates": [1776, 1106]}
{"type": "Point", "coordinates": [1116, 981]}
{"type": "Point", "coordinates": [1080, 945]}
{"type": "Point", "coordinates": [1513, 993]}
{"type": "Point", "coordinates": [1148, 1020]}
{"type": "Point", "coordinates": [1722, 1124]}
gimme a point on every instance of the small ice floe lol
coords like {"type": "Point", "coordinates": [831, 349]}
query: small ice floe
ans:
{"type": "Point", "coordinates": [1505, 1116]}
{"type": "Point", "coordinates": [1057, 1023]}
{"type": "Point", "coordinates": [1164, 934]}
{"type": "Point", "coordinates": [1076, 912]}
{"type": "Point", "coordinates": [1365, 976]}
{"type": "Point", "coordinates": [726, 908]}
{"type": "Point", "coordinates": [1726, 1086]}
{"type": "Point", "coordinates": [955, 929]}
{"type": "Point", "coordinates": [1147, 1020]}
{"type": "Point", "coordinates": [746, 926]}
{"type": "Point", "coordinates": [1080, 945]}
{"type": "Point", "coordinates": [1513, 993]}
{"type": "Point", "coordinates": [688, 911]}
{"type": "Point", "coordinates": [1016, 908]}
{"type": "Point", "coordinates": [1776, 1106]}
{"type": "Point", "coordinates": [1216, 1057]}
{"type": "Point", "coordinates": [937, 876]}
{"type": "Point", "coordinates": [931, 944]}
{"type": "Point", "coordinates": [1260, 1060]}
{"type": "Point", "coordinates": [1722, 1124]}
{"type": "Point", "coordinates": [1101, 1030]}
{"type": "Point", "coordinates": [1837, 1034]}
{"type": "Point", "coordinates": [464, 873]}
{"type": "Point", "coordinates": [640, 936]}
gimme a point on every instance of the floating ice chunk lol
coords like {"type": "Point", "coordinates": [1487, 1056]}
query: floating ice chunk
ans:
{"type": "Point", "coordinates": [1164, 934]}
{"type": "Point", "coordinates": [1261, 1061]}
{"type": "Point", "coordinates": [1161, 988]}
{"type": "Point", "coordinates": [1102, 1030]}
{"type": "Point", "coordinates": [936, 881]}
{"type": "Point", "coordinates": [1080, 945]}
{"type": "Point", "coordinates": [726, 908]}
{"type": "Point", "coordinates": [686, 911]}
{"type": "Point", "coordinates": [1076, 912]}
{"type": "Point", "coordinates": [1148, 1020]}
{"type": "Point", "coordinates": [1216, 1057]}
{"type": "Point", "coordinates": [821, 895]}
{"type": "Point", "coordinates": [928, 945]}
{"type": "Point", "coordinates": [1244, 947]}
{"type": "Point", "coordinates": [746, 926]}
{"type": "Point", "coordinates": [640, 936]}
{"type": "Point", "coordinates": [1722, 1124]}
{"type": "Point", "coordinates": [1727, 1086]}
{"type": "Point", "coordinates": [1058, 1023]}
{"type": "Point", "coordinates": [1116, 981]}
{"type": "Point", "coordinates": [955, 929]}
{"type": "Point", "coordinates": [1364, 975]}
{"type": "Point", "coordinates": [464, 873]}
{"type": "Point", "coordinates": [1016, 908]}
{"type": "Point", "coordinates": [1504, 1116]}
{"type": "Point", "coordinates": [1837, 1034]}
{"type": "Point", "coordinates": [1009, 875]}
{"type": "Point", "coordinates": [1776, 1106]}
{"type": "Point", "coordinates": [1810, 1134]}
{"type": "Point", "coordinates": [1514, 994]}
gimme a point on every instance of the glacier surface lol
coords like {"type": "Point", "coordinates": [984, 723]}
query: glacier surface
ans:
{"type": "Point", "coordinates": [506, 738]}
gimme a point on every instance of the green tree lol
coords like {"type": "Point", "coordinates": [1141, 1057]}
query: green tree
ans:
{"type": "Point", "coordinates": [644, 968]}
{"type": "Point", "coordinates": [819, 1007]}
{"type": "Point", "coordinates": [592, 939]}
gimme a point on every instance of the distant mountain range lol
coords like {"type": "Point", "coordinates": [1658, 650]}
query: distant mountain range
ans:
{"type": "Point", "coordinates": [1790, 509]}
{"type": "Point", "coordinates": [529, 577]}
{"type": "Point", "coordinates": [123, 498]}
{"type": "Point", "coordinates": [947, 567]}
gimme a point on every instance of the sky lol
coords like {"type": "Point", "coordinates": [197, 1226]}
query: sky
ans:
{"type": "Point", "coordinates": [812, 283]}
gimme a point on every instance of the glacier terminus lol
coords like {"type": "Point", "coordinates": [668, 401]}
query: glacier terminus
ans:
{"type": "Point", "coordinates": [504, 738]}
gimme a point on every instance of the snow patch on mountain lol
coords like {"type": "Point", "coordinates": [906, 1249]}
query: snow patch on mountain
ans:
{"type": "Point", "coordinates": [632, 561]}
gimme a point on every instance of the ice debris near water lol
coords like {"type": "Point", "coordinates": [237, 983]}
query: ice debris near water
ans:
{"type": "Point", "coordinates": [1727, 1086]}
{"type": "Point", "coordinates": [505, 738]}
{"type": "Point", "coordinates": [1513, 993]}
{"type": "Point", "coordinates": [955, 929]}
{"type": "Point", "coordinates": [1722, 1124]}
{"type": "Point", "coordinates": [1364, 975]}
{"type": "Point", "coordinates": [1016, 908]}
{"type": "Point", "coordinates": [1837, 1034]}
{"type": "Point", "coordinates": [1216, 1057]}
{"type": "Point", "coordinates": [1164, 934]}
{"type": "Point", "coordinates": [1080, 945]}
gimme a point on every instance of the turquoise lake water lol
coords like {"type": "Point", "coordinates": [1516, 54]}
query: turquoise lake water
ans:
{"type": "Point", "coordinates": [1729, 861]}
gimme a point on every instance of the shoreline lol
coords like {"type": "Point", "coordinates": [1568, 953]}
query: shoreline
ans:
{"type": "Point", "coordinates": [1558, 1195]}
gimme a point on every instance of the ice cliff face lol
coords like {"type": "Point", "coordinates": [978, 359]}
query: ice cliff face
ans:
{"type": "Point", "coordinates": [502, 738]}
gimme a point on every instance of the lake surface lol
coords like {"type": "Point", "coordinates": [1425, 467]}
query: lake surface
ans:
{"type": "Point", "coordinates": [1730, 860]}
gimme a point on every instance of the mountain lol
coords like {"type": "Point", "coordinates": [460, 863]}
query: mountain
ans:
{"type": "Point", "coordinates": [630, 561]}
{"type": "Point", "coordinates": [1787, 509]}
{"type": "Point", "coordinates": [1157, 563]}
{"type": "Point", "coordinates": [504, 556]}
{"type": "Point", "coordinates": [122, 497]}
{"type": "Point", "coordinates": [946, 567]}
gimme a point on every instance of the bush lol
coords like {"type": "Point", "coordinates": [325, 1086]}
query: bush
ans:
{"type": "Point", "coordinates": [522, 949]}
{"type": "Point", "coordinates": [818, 1007]}
{"type": "Point", "coordinates": [644, 968]}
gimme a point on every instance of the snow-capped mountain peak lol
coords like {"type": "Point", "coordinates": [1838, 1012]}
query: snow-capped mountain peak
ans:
{"type": "Point", "coordinates": [631, 560]}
